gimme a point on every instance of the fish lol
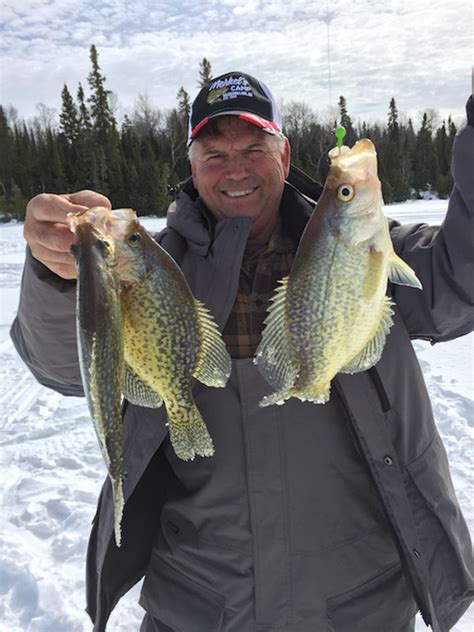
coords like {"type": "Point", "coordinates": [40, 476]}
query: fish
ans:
{"type": "Point", "coordinates": [100, 346]}
{"type": "Point", "coordinates": [331, 314]}
{"type": "Point", "coordinates": [170, 338]}
{"type": "Point", "coordinates": [215, 95]}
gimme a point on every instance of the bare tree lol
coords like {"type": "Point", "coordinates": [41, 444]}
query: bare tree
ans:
{"type": "Point", "coordinates": [434, 118]}
{"type": "Point", "coordinates": [113, 102]}
{"type": "Point", "coordinates": [146, 118]}
{"type": "Point", "coordinates": [12, 115]}
{"type": "Point", "coordinates": [46, 117]}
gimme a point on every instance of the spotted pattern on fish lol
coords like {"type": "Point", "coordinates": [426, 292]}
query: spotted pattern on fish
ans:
{"type": "Point", "coordinates": [100, 346]}
{"type": "Point", "coordinates": [331, 313]}
{"type": "Point", "coordinates": [169, 339]}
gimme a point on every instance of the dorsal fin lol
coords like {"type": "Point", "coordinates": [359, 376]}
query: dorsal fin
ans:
{"type": "Point", "coordinates": [274, 357]}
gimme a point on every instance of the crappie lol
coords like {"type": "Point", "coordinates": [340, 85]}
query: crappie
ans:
{"type": "Point", "coordinates": [331, 313]}
{"type": "Point", "coordinates": [100, 345]}
{"type": "Point", "coordinates": [169, 336]}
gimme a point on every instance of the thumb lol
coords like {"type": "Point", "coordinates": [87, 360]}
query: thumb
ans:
{"type": "Point", "coordinates": [88, 198]}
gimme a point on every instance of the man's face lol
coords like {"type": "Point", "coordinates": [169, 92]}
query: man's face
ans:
{"type": "Point", "coordinates": [240, 171]}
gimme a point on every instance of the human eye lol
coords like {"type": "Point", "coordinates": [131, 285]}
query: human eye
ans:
{"type": "Point", "coordinates": [255, 152]}
{"type": "Point", "coordinates": [214, 158]}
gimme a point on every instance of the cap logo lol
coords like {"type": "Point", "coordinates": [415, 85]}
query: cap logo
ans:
{"type": "Point", "coordinates": [229, 88]}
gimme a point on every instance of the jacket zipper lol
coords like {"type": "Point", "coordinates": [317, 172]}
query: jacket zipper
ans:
{"type": "Point", "coordinates": [422, 609]}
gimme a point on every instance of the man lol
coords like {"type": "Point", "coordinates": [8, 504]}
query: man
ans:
{"type": "Point", "coordinates": [308, 517]}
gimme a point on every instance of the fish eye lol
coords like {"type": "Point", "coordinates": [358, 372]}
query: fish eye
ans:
{"type": "Point", "coordinates": [134, 239]}
{"type": "Point", "coordinates": [345, 192]}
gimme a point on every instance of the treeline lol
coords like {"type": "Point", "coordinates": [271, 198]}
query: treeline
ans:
{"type": "Point", "coordinates": [136, 162]}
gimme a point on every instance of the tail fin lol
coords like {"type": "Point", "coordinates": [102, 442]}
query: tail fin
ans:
{"type": "Point", "coordinates": [188, 432]}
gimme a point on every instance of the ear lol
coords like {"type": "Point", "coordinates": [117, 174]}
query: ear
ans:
{"type": "Point", "coordinates": [194, 174]}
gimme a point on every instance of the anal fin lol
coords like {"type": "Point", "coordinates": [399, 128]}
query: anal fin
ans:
{"type": "Point", "coordinates": [372, 352]}
{"type": "Point", "coordinates": [214, 365]}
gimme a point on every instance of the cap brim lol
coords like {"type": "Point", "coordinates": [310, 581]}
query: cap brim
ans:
{"type": "Point", "coordinates": [270, 127]}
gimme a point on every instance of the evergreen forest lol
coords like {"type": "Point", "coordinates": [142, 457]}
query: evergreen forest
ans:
{"type": "Point", "coordinates": [137, 162]}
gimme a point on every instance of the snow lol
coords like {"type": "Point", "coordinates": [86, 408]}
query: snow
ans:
{"type": "Point", "coordinates": [51, 469]}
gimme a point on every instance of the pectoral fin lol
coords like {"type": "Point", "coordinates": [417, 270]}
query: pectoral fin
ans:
{"type": "Point", "coordinates": [372, 352]}
{"type": "Point", "coordinates": [137, 392]}
{"type": "Point", "coordinates": [400, 272]}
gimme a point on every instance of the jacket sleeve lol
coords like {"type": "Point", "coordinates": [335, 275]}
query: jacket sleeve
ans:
{"type": "Point", "coordinates": [442, 256]}
{"type": "Point", "coordinates": [44, 330]}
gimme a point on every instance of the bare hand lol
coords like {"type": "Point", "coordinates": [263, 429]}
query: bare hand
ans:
{"type": "Point", "coordinates": [47, 232]}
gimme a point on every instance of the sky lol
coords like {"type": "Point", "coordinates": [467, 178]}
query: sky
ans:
{"type": "Point", "coordinates": [418, 51]}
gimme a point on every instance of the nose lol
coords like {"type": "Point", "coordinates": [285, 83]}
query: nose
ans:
{"type": "Point", "coordinates": [237, 167]}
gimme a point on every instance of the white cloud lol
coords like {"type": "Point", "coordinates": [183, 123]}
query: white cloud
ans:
{"type": "Point", "coordinates": [378, 50]}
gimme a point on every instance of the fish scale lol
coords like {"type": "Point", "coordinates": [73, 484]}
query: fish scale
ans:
{"type": "Point", "coordinates": [100, 345]}
{"type": "Point", "coordinates": [170, 338]}
{"type": "Point", "coordinates": [329, 347]}
{"type": "Point", "coordinates": [141, 334]}
{"type": "Point", "coordinates": [331, 314]}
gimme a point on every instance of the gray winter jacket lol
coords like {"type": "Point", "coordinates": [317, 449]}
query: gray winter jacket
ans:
{"type": "Point", "coordinates": [308, 517]}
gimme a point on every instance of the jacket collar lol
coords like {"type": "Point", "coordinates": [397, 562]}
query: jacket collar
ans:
{"type": "Point", "coordinates": [192, 220]}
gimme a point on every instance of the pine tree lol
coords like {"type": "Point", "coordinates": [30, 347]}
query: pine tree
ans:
{"type": "Point", "coordinates": [55, 182]}
{"type": "Point", "coordinates": [6, 156]}
{"type": "Point", "coordinates": [424, 167]}
{"type": "Point", "coordinates": [393, 128]}
{"type": "Point", "coordinates": [84, 119]}
{"type": "Point", "coordinates": [346, 122]}
{"type": "Point", "coordinates": [452, 131]}
{"type": "Point", "coordinates": [393, 164]}
{"type": "Point", "coordinates": [68, 119]}
{"type": "Point", "coordinates": [184, 102]}
{"type": "Point", "coordinates": [86, 170]}
{"type": "Point", "coordinates": [444, 179]}
{"type": "Point", "coordinates": [205, 72]}
{"type": "Point", "coordinates": [103, 120]}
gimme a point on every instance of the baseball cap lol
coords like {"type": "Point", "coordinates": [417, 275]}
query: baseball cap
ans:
{"type": "Point", "coordinates": [235, 94]}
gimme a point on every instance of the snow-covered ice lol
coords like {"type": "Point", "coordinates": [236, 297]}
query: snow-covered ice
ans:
{"type": "Point", "coordinates": [51, 469]}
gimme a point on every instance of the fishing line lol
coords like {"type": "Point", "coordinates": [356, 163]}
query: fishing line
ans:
{"type": "Point", "coordinates": [328, 20]}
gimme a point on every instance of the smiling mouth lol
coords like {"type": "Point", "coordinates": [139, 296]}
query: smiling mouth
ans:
{"type": "Point", "coordinates": [238, 194]}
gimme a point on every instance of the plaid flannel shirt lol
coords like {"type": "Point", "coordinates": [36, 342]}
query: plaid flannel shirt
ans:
{"type": "Point", "coordinates": [262, 267]}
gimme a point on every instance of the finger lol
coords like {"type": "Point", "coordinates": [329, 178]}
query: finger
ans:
{"type": "Point", "coordinates": [46, 207]}
{"type": "Point", "coordinates": [52, 236]}
{"type": "Point", "coordinates": [48, 256]}
{"type": "Point", "coordinates": [64, 271]}
{"type": "Point", "coordinates": [88, 199]}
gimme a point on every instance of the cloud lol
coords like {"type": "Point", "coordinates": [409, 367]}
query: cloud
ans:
{"type": "Point", "coordinates": [378, 50]}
